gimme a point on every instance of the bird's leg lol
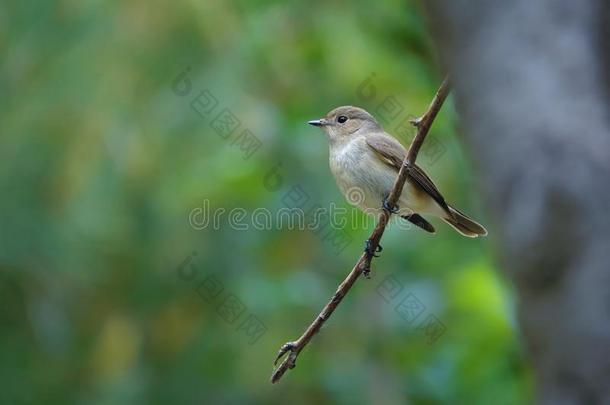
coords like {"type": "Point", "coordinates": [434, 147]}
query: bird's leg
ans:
{"type": "Point", "coordinates": [369, 249]}
{"type": "Point", "coordinates": [389, 208]}
{"type": "Point", "coordinates": [370, 252]}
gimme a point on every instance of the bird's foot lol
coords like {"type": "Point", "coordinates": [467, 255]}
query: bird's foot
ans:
{"type": "Point", "coordinates": [366, 270]}
{"type": "Point", "coordinates": [370, 252]}
{"type": "Point", "coordinates": [392, 209]}
{"type": "Point", "coordinates": [369, 249]}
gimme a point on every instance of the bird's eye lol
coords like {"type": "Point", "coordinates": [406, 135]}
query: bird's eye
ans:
{"type": "Point", "coordinates": [342, 119]}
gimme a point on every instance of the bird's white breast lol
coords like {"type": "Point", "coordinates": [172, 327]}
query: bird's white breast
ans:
{"type": "Point", "coordinates": [361, 176]}
{"type": "Point", "coordinates": [365, 180]}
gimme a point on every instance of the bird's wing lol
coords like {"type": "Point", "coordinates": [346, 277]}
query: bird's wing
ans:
{"type": "Point", "coordinates": [392, 153]}
{"type": "Point", "coordinates": [418, 220]}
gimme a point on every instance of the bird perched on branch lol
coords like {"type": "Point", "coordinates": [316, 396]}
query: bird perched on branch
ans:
{"type": "Point", "coordinates": [365, 161]}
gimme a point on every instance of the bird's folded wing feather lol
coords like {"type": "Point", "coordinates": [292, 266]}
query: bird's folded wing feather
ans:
{"type": "Point", "coordinates": [393, 154]}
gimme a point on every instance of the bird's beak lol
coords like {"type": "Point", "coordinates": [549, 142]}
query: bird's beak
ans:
{"type": "Point", "coordinates": [317, 123]}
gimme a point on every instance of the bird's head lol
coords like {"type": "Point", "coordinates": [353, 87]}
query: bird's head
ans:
{"type": "Point", "coordinates": [345, 122]}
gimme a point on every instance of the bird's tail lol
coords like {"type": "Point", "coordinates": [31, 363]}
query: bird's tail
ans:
{"type": "Point", "coordinates": [464, 224]}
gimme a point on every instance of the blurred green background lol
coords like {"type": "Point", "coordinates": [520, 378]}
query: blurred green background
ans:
{"type": "Point", "coordinates": [109, 295]}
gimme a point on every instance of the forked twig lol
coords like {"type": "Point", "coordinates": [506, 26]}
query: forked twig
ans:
{"type": "Point", "coordinates": [363, 265]}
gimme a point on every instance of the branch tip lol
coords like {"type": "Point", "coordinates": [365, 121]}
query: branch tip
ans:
{"type": "Point", "coordinates": [416, 121]}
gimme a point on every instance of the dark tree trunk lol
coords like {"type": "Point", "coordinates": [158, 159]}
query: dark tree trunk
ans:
{"type": "Point", "coordinates": [532, 90]}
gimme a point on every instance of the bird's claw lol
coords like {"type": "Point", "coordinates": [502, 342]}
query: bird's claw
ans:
{"type": "Point", "coordinates": [366, 271]}
{"type": "Point", "coordinates": [369, 249]}
{"type": "Point", "coordinates": [391, 209]}
{"type": "Point", "coordinates": [370, 252]}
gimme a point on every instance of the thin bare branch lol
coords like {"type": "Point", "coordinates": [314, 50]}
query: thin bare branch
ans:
{"type": "Point", "coordinates": [363, 265]}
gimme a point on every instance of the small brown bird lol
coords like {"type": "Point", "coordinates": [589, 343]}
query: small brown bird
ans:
{"type": "Point", "coordinates": [365, 161]}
